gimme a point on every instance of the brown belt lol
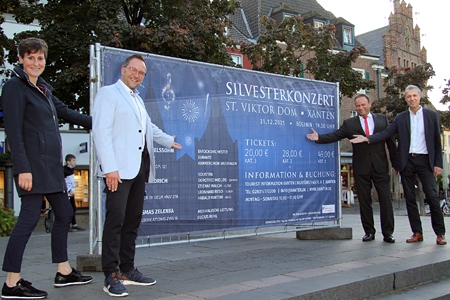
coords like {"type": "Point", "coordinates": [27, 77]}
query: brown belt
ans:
{"type": "Point", "coordinates": [416, 154]}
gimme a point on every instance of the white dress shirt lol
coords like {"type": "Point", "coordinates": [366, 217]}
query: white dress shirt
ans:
{"type": "Point", "coordinates": [418, 144]}
{"type": "Point", "coordinates": [139, 105]}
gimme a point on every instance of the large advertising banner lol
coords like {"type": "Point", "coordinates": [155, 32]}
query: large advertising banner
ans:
{"type": "Point", "coordinates": [245, 161]}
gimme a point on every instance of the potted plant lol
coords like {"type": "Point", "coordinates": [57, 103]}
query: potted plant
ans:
{"type": "Point", "coordinates": [7, 221]}
{"type": "Point", "coordinates": [5, 159]}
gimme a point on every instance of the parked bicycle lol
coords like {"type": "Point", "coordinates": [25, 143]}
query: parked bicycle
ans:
{"type": "Point", "coordinates": [445, 206]}
{"type": "Point", "coordinates": [49, 219]}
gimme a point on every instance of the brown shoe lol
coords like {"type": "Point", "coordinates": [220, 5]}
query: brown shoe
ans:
{"type": "Point", "coordinates": [416, 237]}
{"type": "Point", "coordinates": [440, 240]}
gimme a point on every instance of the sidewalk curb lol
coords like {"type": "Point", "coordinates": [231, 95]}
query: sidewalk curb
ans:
{"type": "Point", "coordinates": [337, 233]}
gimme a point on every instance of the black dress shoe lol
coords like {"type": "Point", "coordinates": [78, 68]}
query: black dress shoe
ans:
{"type": "Point", "coordinates": [389, 239]}
{"type": "Point", "coordinates": [368, 237]}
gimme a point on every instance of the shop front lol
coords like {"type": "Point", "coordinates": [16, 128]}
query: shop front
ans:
{"type": "Point", "coordinates": [2, 188]}
{"type": "Point", "coordinates": [81, 188]}
{"type": "Point", "coordinates": [74, 142]}
{"type": "Point", "coordinates": [347, 180]}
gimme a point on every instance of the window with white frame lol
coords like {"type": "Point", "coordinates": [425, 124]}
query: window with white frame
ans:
{"type": "Point", "coordinates": [348, 36]}
{"type": "Point", "coordinates": [237, 59]}
{"type": "Point", "coordinates": [319, 24]}
{"type": "Point", "coordinates": [288, 15]}
{"type": "Point", "coordinates": [363, 75]}
{"type": "Point", "coordinates": [353, 113]}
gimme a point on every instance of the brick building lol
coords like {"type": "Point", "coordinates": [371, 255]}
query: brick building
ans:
{"type": "Point", "coordinates": [397, 44]}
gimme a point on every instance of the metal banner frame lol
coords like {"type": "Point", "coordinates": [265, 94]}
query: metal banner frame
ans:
{"type": "Point", "coordinates": [96, 208]}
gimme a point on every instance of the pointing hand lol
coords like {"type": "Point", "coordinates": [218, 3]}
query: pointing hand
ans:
{"type": "Point", "coordinates": [314, 136]}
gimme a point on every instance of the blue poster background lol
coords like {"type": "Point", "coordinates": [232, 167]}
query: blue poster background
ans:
{"type": "Point", "coordinates": [245, 160]}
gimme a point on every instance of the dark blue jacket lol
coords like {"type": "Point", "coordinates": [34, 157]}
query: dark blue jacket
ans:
{"type": "Point", "coordinates": [32, 130]}
{"type": "Point", "coordinates": [402, 126]}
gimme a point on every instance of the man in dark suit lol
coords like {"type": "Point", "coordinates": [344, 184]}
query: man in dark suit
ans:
{"type": "Point", "coordinates": [419, 152]}
{"type": "Point", "coordinates": [370, 165]}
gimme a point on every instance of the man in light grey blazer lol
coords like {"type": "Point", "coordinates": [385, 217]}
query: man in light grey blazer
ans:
{"type": "Point", "coordinates": [123, 138]}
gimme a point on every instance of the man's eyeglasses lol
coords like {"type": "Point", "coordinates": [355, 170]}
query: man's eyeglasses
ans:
{"type": "Point", "coordinates": [135, 72]}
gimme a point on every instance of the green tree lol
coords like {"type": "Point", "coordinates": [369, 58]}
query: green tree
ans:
{"type": "Point", "coordinates": [446, 93]}
{"type": "Point", "coordinates": [396, 82]}
{"type": "Point", "coordinates": [337, 67]}
{"type": "Point", "coordinates": [445, 115]}
{"type": "Point", "coordinates": [5, 43]}
{"type": "Point", "coordinates": [3, 38]}
{"type": "Point", "coordinates": [190, 29]}
{"type": "Point", "coordinates": [292, 47]}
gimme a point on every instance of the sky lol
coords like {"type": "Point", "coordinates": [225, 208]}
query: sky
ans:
{"type": "Point", "coordinates": [430, 15]}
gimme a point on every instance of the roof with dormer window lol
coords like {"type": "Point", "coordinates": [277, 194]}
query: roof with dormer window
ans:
{"type": "Point", "coordinates": [246, 19]}
{"type": "Point", "coordinates": [246, 25]}
{"type": "Point", "coordinates": [373, 42]}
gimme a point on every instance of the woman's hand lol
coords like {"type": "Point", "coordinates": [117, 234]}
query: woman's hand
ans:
{"type": "Point", "coordinates": [26, 181]}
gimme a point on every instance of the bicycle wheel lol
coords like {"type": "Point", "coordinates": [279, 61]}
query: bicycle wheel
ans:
{"type": "Point", "coordinates": [49, 220]}
{"type": "Point", "coordinates": [46, 224]}
{"type": "Point", "coordinates": [446, 209]}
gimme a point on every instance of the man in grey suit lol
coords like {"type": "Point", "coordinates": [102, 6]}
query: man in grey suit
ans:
{"type": "Point", "coordinates": [123, 138]}
{"type": "Point", "coordinates": [370, 166]}
{"type": "Point", "coordinates": [419, 153]}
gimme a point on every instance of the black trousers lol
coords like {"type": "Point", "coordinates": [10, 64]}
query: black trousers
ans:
{"type": "Point", "coordinates": [74, 207]}
{"type": "Point", "coordinates": [30, 211]}
{"type": "Point", "coordinates": [420, 165]}
{"type": "Point", "coordinates": [364, 188]}
{"type": "Point", "coordinates": [123, 217]}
